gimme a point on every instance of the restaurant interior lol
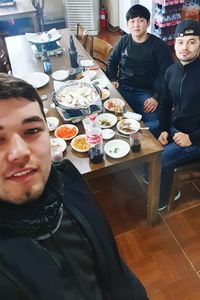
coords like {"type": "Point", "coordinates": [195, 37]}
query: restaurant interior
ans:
{"type": "Point", "coordinates": [162, 248]}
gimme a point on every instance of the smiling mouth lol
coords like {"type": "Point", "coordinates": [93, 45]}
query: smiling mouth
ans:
{"type": "Point", "coordinates": [22, 175]}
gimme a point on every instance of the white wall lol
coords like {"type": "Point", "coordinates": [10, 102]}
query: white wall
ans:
{"type": "Point", "coordinates": [53, 10]}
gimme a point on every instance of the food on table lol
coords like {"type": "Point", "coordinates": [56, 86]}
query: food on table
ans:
{"type": "Point", "coordinates": [105, 122]}
{"type": "Point", "coordinates": [76, 95]}
{"type": "Point", "coordinates": [81, 143]}
{"type": "Point", "coordinates": [126, 126]}
{"type": "Point", "coordinates": [66, 132]}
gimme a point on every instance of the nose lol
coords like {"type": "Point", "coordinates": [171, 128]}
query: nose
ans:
{"type": "Point", "coordinates": [18, 149]}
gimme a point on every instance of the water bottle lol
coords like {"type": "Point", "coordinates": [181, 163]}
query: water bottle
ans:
{"type": "Point", "coordinates": [46, 62]}
{"type": "Point", "coordinates": [94, 138]}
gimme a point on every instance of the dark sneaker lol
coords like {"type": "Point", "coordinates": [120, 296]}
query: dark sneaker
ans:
{"type": "Point", "coordinates": [145, 180]}
{"type": "Point", "coordinates": [162, 207]}
{"type": "Point", "coordinates": [177, 196]}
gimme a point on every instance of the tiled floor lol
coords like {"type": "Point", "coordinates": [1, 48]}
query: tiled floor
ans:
{"type": "Point", "coordinates": [166, 257]}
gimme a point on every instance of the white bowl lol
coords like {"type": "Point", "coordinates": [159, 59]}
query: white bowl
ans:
{"type": "Point", "coordinates": [112, 102]}
{"type": "Point", "coordinates": [128, 126]}
{"type": "Point", "coordinates": [52, 123]}
{"type": "Point", "coordinates": [71, 131]}
{"type": "Point", "coordinates": [106, 120]}
{"type": "Point", "coordinates": [107, 134]}
{"type": "Point", "coordinates": [79, 143]}
{"type": "Point", "coordinates": [60, 75]}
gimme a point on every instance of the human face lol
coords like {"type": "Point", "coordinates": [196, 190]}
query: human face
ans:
{"type": "Point", "coordinates": [24, 151]}
{"type": "Point", "coordinates": [187, 48]}
{"type": "Point", "coordinates": [138, 28]}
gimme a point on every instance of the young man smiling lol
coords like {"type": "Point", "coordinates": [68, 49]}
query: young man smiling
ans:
{"type": "Point", "coordinates": [55, 243]}
{"type": "Point", "coordinates": [137, 64]}
{"type": "Point", "coordinates": [179, 130]}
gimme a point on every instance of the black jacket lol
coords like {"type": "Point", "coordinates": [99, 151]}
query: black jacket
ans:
{"type": "Point", "coordinates": [139, 65]}
{"type": "Point", "coordinates": [27, 272]}
{"type": "Point", "coordinates": [180, 105]}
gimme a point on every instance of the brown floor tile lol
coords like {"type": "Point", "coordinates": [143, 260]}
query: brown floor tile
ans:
{"type": "Point", "coordinates": [186, 228]}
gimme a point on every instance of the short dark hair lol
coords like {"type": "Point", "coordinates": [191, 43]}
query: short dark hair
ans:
{"type": "Point", "coordinates": [138, 11]}
{"type": "Point", "coordinates": [13, 87]}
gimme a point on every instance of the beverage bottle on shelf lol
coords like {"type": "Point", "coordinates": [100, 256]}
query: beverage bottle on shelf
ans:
{"type": "Point", "coordinates": [46, 62]}
{"type": "Point", "coordinates": [94, 138]}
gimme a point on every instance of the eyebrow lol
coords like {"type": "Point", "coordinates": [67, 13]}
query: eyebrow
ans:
{"type": "Point", "coordinates": [28, 120]}
{"type": "Point", "coordinates": [32, 119]}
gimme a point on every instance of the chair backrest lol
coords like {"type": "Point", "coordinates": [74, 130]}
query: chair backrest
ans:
{"type": "Point", "coordinates": [187, 172]}
{"type": "Point", "coordinates": [82, 34]}
{"type": "Point", "coordinates": [100, 50]}
{"type": "Point", "coordinates": [5, 66]}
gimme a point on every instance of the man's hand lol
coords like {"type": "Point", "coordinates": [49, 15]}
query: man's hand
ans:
{"type": "Point", "coordinates": [115, 84]}
{"type": "Point", "coordinates": [182, 139]}
{"type": "Point", "coordinates": [150, 105]}
{"type": "Point", "coordinates": [163, 138]}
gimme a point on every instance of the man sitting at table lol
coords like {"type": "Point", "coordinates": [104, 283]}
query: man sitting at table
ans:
{"type": "Point", "coordinates": [137, 64]}
{"type": "Point", "coordinates": [179, 130]}
{"type": "Point", "coordinates": [55, 242]}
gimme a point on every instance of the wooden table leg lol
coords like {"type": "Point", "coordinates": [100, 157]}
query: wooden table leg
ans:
{"type": "Point", "coordinates": [154, 171]}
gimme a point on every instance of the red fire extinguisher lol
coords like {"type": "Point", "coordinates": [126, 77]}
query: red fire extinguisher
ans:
{"type": "Point", "coordinates": [103, 19]}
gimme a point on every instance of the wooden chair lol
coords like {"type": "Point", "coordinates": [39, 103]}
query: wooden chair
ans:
{"type": "Point", "coordinates": [82, 34]}
{"type": "Point", "coordinates": [100, 50]}
{"type": "Point", "coordinates": [187, 172]}
{"type": "Point", "coordinates": [5, 65]}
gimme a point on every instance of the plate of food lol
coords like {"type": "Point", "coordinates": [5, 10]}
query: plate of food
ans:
{"type": "Point", "coordinates": [105, 94]}
{"type": "Point", "coordinates": [128, 126]}
{"type": "Point", "coordinates": [66, 131]}
{"type": "Point", "coordinates": [75, 94]}
{"type": "Point", "coordinates": [117, 148]}
{"type": "Point", "coordinates": [58, 141]}
{"type": "Point", "coordinates": [106, 120]}
{"type": "Point", "coordinates": [36, 79]}
{"type": "Point", "coordinates": [80, 143]}
{"type": "Point", "coordinates": [112, 102]}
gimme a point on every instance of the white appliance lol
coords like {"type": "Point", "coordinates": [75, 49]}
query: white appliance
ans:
{"type": "Point", "coordinates": [124, 6]}
{"type": "Point", "coordinates": [85, 12]}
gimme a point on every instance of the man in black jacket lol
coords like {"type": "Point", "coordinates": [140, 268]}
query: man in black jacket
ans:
{"type": "Point", "coordinates": [55, 243]}
{"type": "Point", "coordinates": [179, 131]}
{"type": "Point", "coordinates": [138, 63]}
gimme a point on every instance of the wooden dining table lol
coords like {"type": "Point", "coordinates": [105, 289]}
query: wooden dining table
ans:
{"type": "Point", "coordinates": [23, 61]}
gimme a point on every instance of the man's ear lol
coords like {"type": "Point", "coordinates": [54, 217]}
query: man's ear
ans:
{"type": "Point", "coordinates": [148, 23]}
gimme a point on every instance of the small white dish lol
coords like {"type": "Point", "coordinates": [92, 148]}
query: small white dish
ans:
{"type": "Point", "coordinates": [128, 126]}
{"type": "Point", "coordinates": [105, 94]}
{"type": "Point", "coordinates": [117, 148]}
{"type": "Point", "coordinates": [132, 115]}
{"type": "Point", "coordinates": [80, 143]}
{"type": "Point", "coordinates": [112, 102]}
{"type": "Point", "coordinates": [106, 120]}
{"type": "Point", "coordinates": [36, 79]}
{"type": "Point", "coordinates": [60, 75]}
{"type": "Point", "coordinates": [108, 134]}
{"type": "Point", "coordinates": [66, 131]}
{"type": "Point", "coordinates": [52, 123]}
{"type": "Point", "coordinates": [90, 73]}
{"type": "Point", "coordinates": [101, 82]}
{"type": "Point", "coordinates": [58, 141]}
